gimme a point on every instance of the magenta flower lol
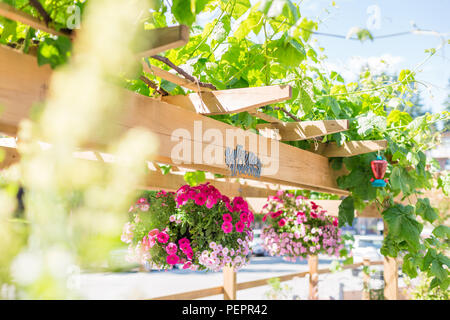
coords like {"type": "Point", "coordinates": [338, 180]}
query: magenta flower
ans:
{"type": "Point", "coordinates": [162, 237]}
{"type": "Point", "coordinates": [172, 259]}
{"type": "Point", "coordinates": [187, 265]}
{"type": "Point", "coordinates": [227, 227]}
{"type": "Point", "coordinates": [282, 222]}
{"type": "Point", "coordinates": [276, 214]}
{"type": "Point", "coordinates": [314, 206]}
{"type": "Point", "coordinates": [227, 217]}
{"type": "Point", "coordinates": [184, 242]}
{"type": "Point", "coordinates": [240, 226]}
{"type": "Point", "coordinates": [171, 248]}
{"type": "Point", "coordinates": [335, 222]}
{"type": "Point", "coordinates": [244, 216]}
{"type": "Point", "coordinates": [211, 201]}
{"type": "Point", "coordinates": [200, 199]}
{"type": "Point", "coordinates": [229, 207]}
{"type": "Point", "coordinates": [265, 217]}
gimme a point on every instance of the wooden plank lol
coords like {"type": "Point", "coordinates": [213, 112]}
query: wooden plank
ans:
{"type": "Point", "coordinates": [155, 179]}
{"type": "Point", "coordinates": [229, 284]}
{"type": "Point", "coordinates": [350, 148]}
{"type": "Point", "coordinates": [190, 295]}
{"type": "Point", "coordinates": [232, 100]}
{"type": "Point", "coordinates": [22, 84]}
{"type": "Point", "coordinates": [19, 89]}
{"type": "Point", "coordinates": [166, 75]}
{"type": "Point", "coordinates": [163, 39]}
{"type": "Point", "coordinates": [390, 274]}
{"type": "Point", "coordinates": [294, 131]}
{"type": "Point", "coordinates": [265, 117]}
{"type": "Point", "coordinates": [313, 265]}
{"type": "Point", "coordinates": [12, 13]}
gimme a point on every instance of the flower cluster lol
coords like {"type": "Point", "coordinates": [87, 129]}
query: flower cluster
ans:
{"type": "Point", "coordinates": [197, 227]}
{"type": "Point", "coordinates": [298, 227]}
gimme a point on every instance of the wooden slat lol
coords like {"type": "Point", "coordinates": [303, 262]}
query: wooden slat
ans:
{"type": "Point", "coordinates": [293, 131]}
{"type": "Point", "coordinates": [265, 117]}
{"type": "Point", "coordinates": [195, 294]}
{"type": "Point", "coordinates": [296, 167]}
{"type": "Point", "coordinates": [163, 39]}
{"type": "Point", "coordinates": [264, 282]}
{"type": "Point", "coordinates": [350, 148]}
{"type": "Point", "coordinates": [155, 179]}
{"type": "Point", "coordinates": [229, 284]}
{"type": "Point", "coordinates": [166, 75]}
{"type": "Point", "coordinates": [232, 100]}
{"type": "Point", "coordinates": [12, 13]}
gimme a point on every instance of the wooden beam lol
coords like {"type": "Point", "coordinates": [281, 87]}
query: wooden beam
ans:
{"type": "Point", "coordinates": [265, 116]}
{"type": "Point", "coordinates": [303, 130]}
{"type": "Point", "coordinates": [19, 89]}
{"type": "Point", "coordinates": [163, 39]}
{"type": "Point", "coordinates": [166, 75]}
{"type": "Point", "coordinates": [390, 273]}
{"type": "Point", "coordinates": [191, 295]}
{"type": "Point", "coordinates": [12, 13]}
{"type": "Point", "coordinates": [313, 264]}
{"type": "Point", "coordinates": [350, 148]}
{"type": "Point", "coordinates": [229, 284]}
{"type": "Point", "coordinates": [232, 100]}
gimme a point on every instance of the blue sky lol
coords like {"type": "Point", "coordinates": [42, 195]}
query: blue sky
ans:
{"type": "Point", "coordinates": [401, 52]}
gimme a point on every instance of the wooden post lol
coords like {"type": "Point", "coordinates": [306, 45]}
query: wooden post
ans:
{"type": "Point", "coordinates": [313, 263]}
{"type": "Point", "coordinates": [366, 280]}
{"type": "Point", "coordinates": [229, 284]}
{"type": "Point", "coordinates": [390, 275]}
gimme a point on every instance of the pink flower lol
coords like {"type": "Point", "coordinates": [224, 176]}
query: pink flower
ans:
{"type": "Point", "coordinates": [187, 265]}
{"type": "Point", "coordinates": [153, 232]}
{"type": "Point", "coordinates": [200, 199]}
{"type": "Point", "coordinates": [300, 213]}
{"type": "Point", "coordinates": [225, 199]}
{"type": "Point", "coordinates": [265, 217]}
{"type": "Point", "coordinates": [184, 242]}
{"type": "Point", "coordinates": [227, 217]}
{"type": "Point", "coordinates": [335, 222]}
{"type": "Point", "coordinates": [227, 227]}
{"type": "Point", "coordinates": [251, 217]}
{"type": "Point", "coordinates": [171, 248]}
{"type": "Point", "coordinates": [244, 216]}
{"type": "Point", "coordinates": [276, 214]}
{"type": "Point", "coordinates": [240, 226]}
{"type": "Point", "coordinates": [210, 202]}
{"type": "Point", "coordinates": [314, 205]}
{"type": "Point", "coordinates": [229, 207]}
{"type": "Point", "coordinates": [172, 259]}
{"type": "Point", "coordinates": [313, 215]}
{"type": "Point", "coordinates": [239, 204]}
{"type": "Point", "coordinates": [162, 237]}
{"type": "Point", "coordinates": [172, 218]}
{"type": "Point", "coordinates": [142, 200]}
{"type": "Point", "coordinates": [282, 222]}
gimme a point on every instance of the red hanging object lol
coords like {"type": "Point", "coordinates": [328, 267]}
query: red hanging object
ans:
{"type": "Point", "coordinates": [379, 167]}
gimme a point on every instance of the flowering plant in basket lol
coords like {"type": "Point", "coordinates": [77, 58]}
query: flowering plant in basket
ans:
{"type": "Point", "coordinates": [297, 227]}
{"type": "Point", "coordinates": [196, 226]}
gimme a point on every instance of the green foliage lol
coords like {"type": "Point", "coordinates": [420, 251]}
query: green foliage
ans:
{"type": "Point", "coordinates": [195, 178]}
{"type": "Point", "coordinates": [54, 52]}
{"type": "Point", "coordinates": [346, 212]}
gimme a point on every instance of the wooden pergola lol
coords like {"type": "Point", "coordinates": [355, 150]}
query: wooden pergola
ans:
{"type": "Point", "coordinates": [23, 83]}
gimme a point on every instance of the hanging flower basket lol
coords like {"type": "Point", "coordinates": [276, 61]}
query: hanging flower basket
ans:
{"type": "Point", "coordinates": [297, 227]}
{"type": "Point", "coordinates": [197, 227]}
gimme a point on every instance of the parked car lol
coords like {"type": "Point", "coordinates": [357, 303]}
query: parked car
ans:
{"type": "Point", "coordinates": [256, 244]}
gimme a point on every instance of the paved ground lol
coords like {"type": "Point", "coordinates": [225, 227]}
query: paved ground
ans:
{"type": "Point", "coordinates": [138, 285]}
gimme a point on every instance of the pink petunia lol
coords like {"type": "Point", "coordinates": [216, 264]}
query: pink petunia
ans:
{"type": "Point", "coordinates": [172, 259]}
{"type": "Point", "coordinates": [211, 201]}
{"type": "Point", "coordinates": [227, 227]}
{"type": "Point", "coordinates": [335, 222]}
{"type": "Point", "coordinates": [200, 199]}
{"type": "Point", "coordinates": [244, 216]}
{"type": "Point", "coordinates": [227, 217]}
{"type": "Point", "coordinates": [153, 232]}
{"type": "Point", "coordinates": [282, 222]}
{"type": "Point", "coordinates": [183, 242]}
{"type": "Point", "coordinates": [187, 265]}
{"type": "Point", "coordinates": [265, 217]}
{"type": "Point", "coordinates": [276, 214]}
{"type": "Point", "coordinates": [171, 248]}
{"type": "Point", "coordinates": [162, 237]}
{"type": "Point", "coordinates": [314, 206]}
{"type": "Point", "coordinates": [240, 226]}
